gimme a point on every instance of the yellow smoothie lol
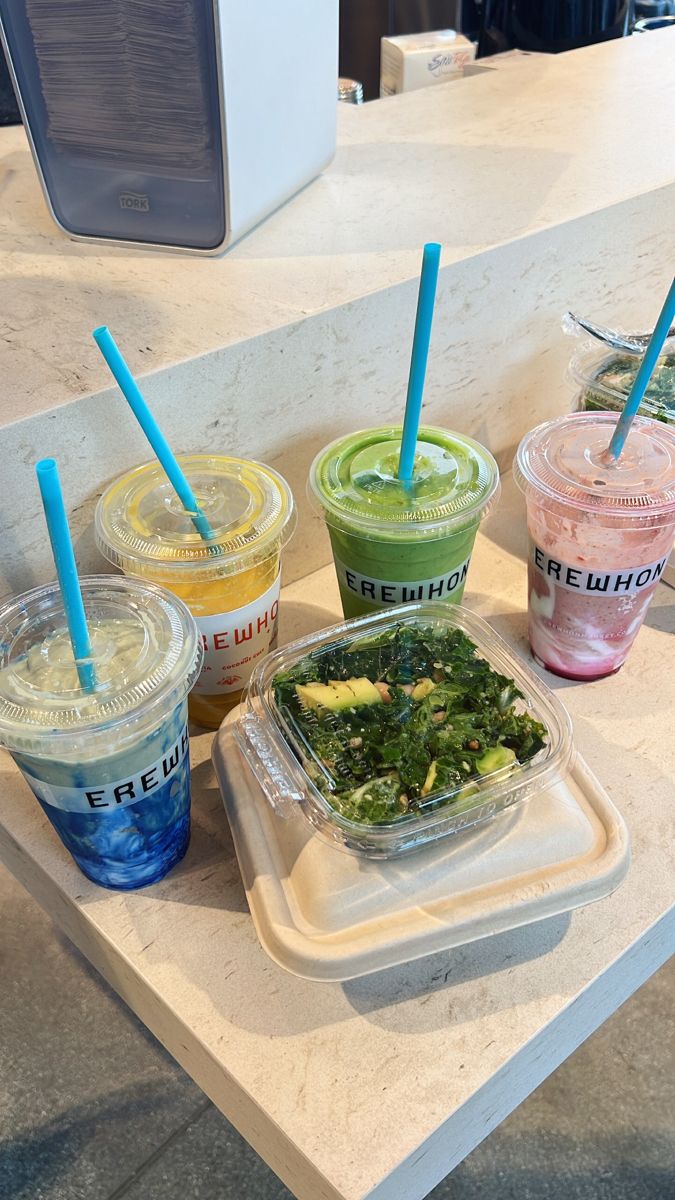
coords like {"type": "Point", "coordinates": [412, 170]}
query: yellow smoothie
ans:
{"type": "Point", "coordinates": [230, 582]}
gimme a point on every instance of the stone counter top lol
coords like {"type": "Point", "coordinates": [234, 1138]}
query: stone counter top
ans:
{"type": "Point", "coordinates": [550, 185]}
{"type": "Point", "coordinates": [475, 164]}
{"type": "Point", "coordinates": [378, 1087]}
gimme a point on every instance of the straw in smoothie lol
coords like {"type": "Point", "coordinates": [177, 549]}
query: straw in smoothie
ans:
{"type": "Point", "coordinates": [403, 504]}
{"type": "Point", "coordinates": [396, 541]}
{"type": "Point", "coordinates": [209, 527]}
{"type": "Point", "coordinates": [600, 496]}
{"type": "Point", "coordinates": [230, 582]}
{"type": "Point", "coordinates": [94, 676]}
{"type": "Point", "coordinates": [600, 535]}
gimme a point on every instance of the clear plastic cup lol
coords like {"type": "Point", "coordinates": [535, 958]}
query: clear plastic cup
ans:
{"type": "Point", "coordinates": [231, 583]}
{"type": "Point", "coordinates": [111, 768]}
{"type": "Point", "coordinates": [605, 380]}
{"type": "Point", "coordinates": [395, 543]}
{"type": "Point", "coordinates": [600, 536]}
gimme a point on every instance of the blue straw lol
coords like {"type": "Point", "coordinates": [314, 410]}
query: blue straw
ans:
{"type": "Point", "coordinates": [66, 570]}
{"type": "Point", "coordinates": [418, 361]}
{"type": "Point", "coordinates": [636, 394]}
{"type": "Point", "coordinates": [132, 394]}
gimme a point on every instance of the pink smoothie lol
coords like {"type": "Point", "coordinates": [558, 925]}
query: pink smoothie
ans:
{"type": "Point", "coordinates": [600, 536]}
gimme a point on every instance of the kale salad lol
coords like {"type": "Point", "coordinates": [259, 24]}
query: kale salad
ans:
{"type": "Point", "coordinates": [388, 724]}
{"type": "Point", "coordinates": [618, 374]}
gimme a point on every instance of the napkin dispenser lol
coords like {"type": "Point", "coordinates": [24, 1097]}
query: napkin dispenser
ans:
{"type": "Point", "coordinates": [173, 123]}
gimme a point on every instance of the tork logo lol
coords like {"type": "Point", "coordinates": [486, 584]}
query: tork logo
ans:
{"type": "Point", "coordinates": [135, 200]}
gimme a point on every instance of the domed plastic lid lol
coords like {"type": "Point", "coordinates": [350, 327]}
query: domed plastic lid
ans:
{"type": "Point", "coordinates": [354, 480]}
{"type": "Point", "coordinates": [565, 460]}
{"type": "Point", "coordinates": [146, 656]}
{"type": "Point", "coordinates": [141, 523]}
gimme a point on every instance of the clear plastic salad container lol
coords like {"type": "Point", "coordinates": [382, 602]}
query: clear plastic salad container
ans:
{"type": "Point", "coordinates": [604, 379]}
{"type": "Point", "coordinates": [394, 730]}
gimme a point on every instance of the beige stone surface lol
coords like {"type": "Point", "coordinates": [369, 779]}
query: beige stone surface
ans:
{"type": "Point", "coordinates": [378, 1087]}
{"type": "Point", "coordinates": [497, 366]}
{"type": "Point", "coordinates": [473, 165]}
{"type": "Point", "coordinates": [550, 186]}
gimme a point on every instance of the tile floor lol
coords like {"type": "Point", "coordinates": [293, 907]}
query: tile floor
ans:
{"type": "Point", "coordinates": [126, 1123]}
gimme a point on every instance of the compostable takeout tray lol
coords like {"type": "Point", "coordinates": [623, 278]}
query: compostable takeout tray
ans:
{"type": "Point", "coordinates": [327, 915]}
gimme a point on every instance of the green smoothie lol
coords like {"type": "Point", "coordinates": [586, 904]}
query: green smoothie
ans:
{"type": "Point", "coordinates": [396, 542]}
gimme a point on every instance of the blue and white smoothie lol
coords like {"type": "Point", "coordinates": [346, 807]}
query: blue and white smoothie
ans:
{"type": "Point", "coordinates": [111, 767]}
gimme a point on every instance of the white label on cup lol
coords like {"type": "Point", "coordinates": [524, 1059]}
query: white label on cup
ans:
{"type": "Point", "coordinates": [109, 797]}
{"type": "Point", "coordinates": [380, 592]}
{"type": "Point", "coordinates": [626, 582]}
{"type": "Point", "coordinates": [234, 641]}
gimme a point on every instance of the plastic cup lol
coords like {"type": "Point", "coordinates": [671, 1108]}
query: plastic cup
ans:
{"type": "Point", "coordinates": [111, 768]}
{"type": "Point", "coordinates": [600, 536]}
{"type": "Point", "coordinates": [605, 381]}
{"type": "Point", "coordinates": [395, 542]}
{"type": "Point", "coordinates": [230, 583]}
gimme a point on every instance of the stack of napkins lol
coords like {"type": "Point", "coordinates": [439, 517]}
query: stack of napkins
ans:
{"type": "Point", "coordinates": [419, 59]}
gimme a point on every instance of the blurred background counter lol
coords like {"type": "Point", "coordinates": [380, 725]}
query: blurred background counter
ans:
{"type": "Point", "coordinates": [550, 185]}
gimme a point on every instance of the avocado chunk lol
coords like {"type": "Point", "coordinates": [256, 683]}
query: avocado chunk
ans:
{"type": "Point", "coordinates": [423, 689]}
{"type": "Point", "coordinates": [353, 693]}
{"type": "Point", "coordinates": [430, 780]}
{"type": "Point", "coordinates": [495, 759]}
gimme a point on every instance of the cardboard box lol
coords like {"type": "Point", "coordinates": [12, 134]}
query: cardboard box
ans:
{"type": "Point", "coordinates": [421, 59]}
